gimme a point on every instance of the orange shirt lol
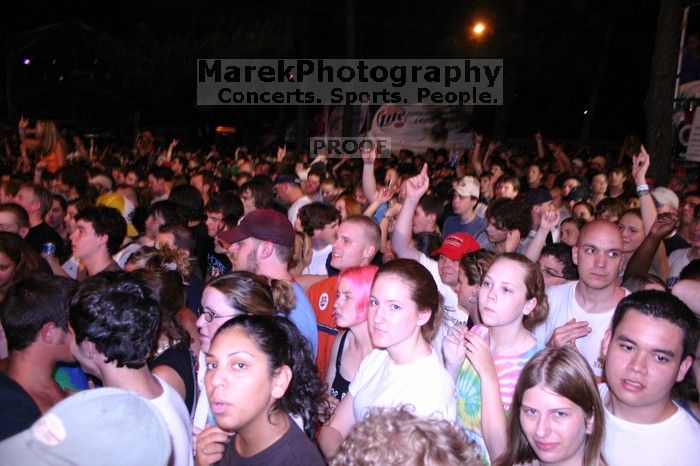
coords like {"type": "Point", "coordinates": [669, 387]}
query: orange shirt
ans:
{"type": "Point", "coordinates": [322, 297]}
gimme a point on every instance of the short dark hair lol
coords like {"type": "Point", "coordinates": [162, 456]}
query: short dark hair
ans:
{"type": "Point", "coordinates": [33, 302]}
{"type": "Point", "coordinates": [21, 215]}
{"type": "Point", "coordinates": [61, 200]}
{"type": "Point", "coordinates": [115, 311]}
{"type": "Point", "coordinates": [161, 173]}
{"type": "Point", "coordinates": [316, 216]}
{"type": "Point", "coordinates": [105, 221]}
{"type": "Point", "coordinates": [189, 201]}
{"type": "Point", "coordinates": [665, 306]}
{"type": "Point", "coordinates": [229, 205]}
{"type": "Point", "coordinates": [510, 214]}
{"type": "Point", "coordinates": [432, 204]}
{"type": "Point", "coordinates": [562, 252]}
{"type": "Point", "coordinates": [184, 239]}
{"type": "Point", "coordinates": [166, 209]}
{"type": "Point", "coordinates": [260, 187]}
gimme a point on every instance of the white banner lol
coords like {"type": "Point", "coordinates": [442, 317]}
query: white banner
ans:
{"type": "Point", "coordinates": [409, 127]}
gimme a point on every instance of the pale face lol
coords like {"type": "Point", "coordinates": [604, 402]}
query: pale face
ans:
{"type": "Point", "coordinates": [462, 204]}
{"type": "Point", "coordinates": [552, 270]}
{"type": "Point", "coordinates": [340, 205]}
{"type": "Point", "coordinates": [360, 197]}
{"type": "Point", "coordinates": [165, 239]}
{"type": "Point", "coordinates": [85, 241]}
{"type": "Point", "coordinates": [599, 255]}
{"type": "Point", "coordinates": [327, 234]}
{"type": "Point", "coordinates": [69, 219]}
{"type": "Point", "coordinates": [534, 176]}
{"type": "Point", "coordinates": [8, 223]}
{"type": "Point", "coordinates": [25, 198]}
{"type": "Point", "coordinates": [312, 185]}
{"type": "Point", "coordinates": [568, 185]}
{"type": "Point", "coordinates": [394, 319]}
{"type": "Point", "coordinates": [248, 201]}
{"type": "Point", "coordinates": [214, 302]}
{"type": "Point", "coordinates": [556, 197]}
{"type": "Point", "coordinates": [345, 307]}
{"type": "Point", "coordinates": [503, 296]}
{"type": "Point", "coordinates": [467, 295]}
{"type": "Point", "coordinates": [54, 217]}
{"type": "Point", "coordinates": [507, 190]}
{"type": "Point", "coordinates": [643, 362]}
{"type": "Point", "coordinates": [580, 211]}
{"type": "Point", "coordinates": [422, 222]}
{"type": "Point", "coordinates": [494, 234]}
{"type": "Point", "coordinates": [616, 179]}
{"type": "Point", "coordinates": [214, 223]}
{"type": "Point", "coordinates": [7, 271]}
{"type": "Point", "coordinates": [555, 427]}
{"type": "Point", "coordinates": [238, 382]}
{"type": "Point", "coordinates": [243, 255]}
{"type": "Point", "coordinates": [131, 179]}
{"type": "Point", "coordinates": [599, 184]}
{"type": "Point", "coordinates": [153, 224]}
{"type": "Point", "coordinates": [349, 247]}
{"type": "Point", "coordinates": [687, 207]}
{"type": "Point", "coordinates": [632, 231]}
{"type": "Point", "coordinates": [496, 172]}
{"type": "Point", "coordinates": [328, 192]}
{"type": "Point", "coordinates": [449, 270]}
{"type": "Point", "coordinates": [155, 185]}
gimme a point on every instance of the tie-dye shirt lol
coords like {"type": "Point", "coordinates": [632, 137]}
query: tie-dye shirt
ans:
{"type": "Point", "coordinates": [508, 370]}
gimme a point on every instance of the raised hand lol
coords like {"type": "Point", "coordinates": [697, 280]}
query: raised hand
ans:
{"type": "Point", "coordinates": [567, 334]}
{"type": "Point", "coordinates": [281, 153]}
{"type": "Point", "coordinates": [663, 225]}
{"type": "Point", "coordinates": [418, 185]}
{"type": "Point", "coordinates": [453, 345]}
{"type": "Point", "coordinates": [368, 155]}
{"type": "Point", "coordinates": [550, 219]}
{"type": "Point", "coordinates": [640, 165]}
{"type": "Point", "coordinates": [211, 443]}
{"type": "Point", "coordinates": [479, 354]}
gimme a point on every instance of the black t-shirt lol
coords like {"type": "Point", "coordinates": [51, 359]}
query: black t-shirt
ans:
{"type": "Point", "coordinates": [18, 411]}
{"type": "Point", "coordinates": [42, 233]}
{"type": "Point", "coordinates": [179, 358]}
{"type": "Point", "coordinates": [292, 449]}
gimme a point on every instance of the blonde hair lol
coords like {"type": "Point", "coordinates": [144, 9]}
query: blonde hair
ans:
{"type": "Point", "coordinates": [397, 437]}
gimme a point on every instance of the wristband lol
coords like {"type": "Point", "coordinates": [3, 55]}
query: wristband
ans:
{"type": "Point", "coordinates": [643, 187]}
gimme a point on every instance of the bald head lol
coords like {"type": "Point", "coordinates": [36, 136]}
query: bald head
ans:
{"type": "Point", "coordinates": [600, 227]}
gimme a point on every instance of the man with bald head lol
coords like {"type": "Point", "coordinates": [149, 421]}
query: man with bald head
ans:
{"type": "Point", "coordinates": [581, 311]}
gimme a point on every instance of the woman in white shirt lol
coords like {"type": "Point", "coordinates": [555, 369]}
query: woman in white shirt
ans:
{"type": "Point", "coordinates": [404, 314]}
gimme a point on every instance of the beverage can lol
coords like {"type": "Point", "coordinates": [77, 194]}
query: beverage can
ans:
{"type": "Point", "coordinates": [49, 249]}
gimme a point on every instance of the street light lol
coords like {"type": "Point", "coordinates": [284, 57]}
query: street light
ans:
{"type": "Point", "coordinates": [479, 28]}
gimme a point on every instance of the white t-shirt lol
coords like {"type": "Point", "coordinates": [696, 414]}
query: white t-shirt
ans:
{"type": "Point", "coordinates": [423, 384]}
{"type": "Point", "coordinates": [173, 409]}
{"type": "Point", "coordinates": [676, 263]}
{"type": "Point", "coordinates": [673, 442]}
{"type": "Point", "coordinates": [294, 208]}
{"type": "Point", "coordinates": [562, 308]}
{"type": "Point", "coordinates": [453, 313]}
{"type": "Point", "coordinates": [318, 262]}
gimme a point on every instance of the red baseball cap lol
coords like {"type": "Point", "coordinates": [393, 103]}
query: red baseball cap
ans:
{"type": "Point", "coordinates": [456, 245]}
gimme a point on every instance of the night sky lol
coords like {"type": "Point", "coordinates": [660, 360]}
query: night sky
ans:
{"type": "Point", "coordinates": [146, 57]}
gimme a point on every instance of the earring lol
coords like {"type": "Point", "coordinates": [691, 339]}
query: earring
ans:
{"type": "Point", "coordinates": [473, 298]}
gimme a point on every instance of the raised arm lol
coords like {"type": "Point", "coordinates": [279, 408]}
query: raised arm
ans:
{"type": "Point", "coordinates": [548, 222]}
{"type": "Point", "coordinates": [540, 145]}
{"type": "Point", "coordinates": [641, 260]}
{"type": "Point", "coordinates": [369, 182]}
{"type": "Point", "coordinates": [403, 230]}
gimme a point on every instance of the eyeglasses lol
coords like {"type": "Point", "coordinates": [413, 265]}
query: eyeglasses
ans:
{"type": "Point", "coordinates": [209, 316]}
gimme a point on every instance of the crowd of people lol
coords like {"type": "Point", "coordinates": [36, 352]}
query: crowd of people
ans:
{"type": "Point", "coordinates": [498, 305]}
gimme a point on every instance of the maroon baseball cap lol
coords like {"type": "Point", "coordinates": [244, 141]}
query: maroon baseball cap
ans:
{"type": "Point", "coordinates": [263, 224]}
{"type": "Point", "coordinates": [456, 245]}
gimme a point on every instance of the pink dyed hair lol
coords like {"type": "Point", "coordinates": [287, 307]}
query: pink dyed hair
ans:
{"type": "Point", "coordinates": [360, 280]}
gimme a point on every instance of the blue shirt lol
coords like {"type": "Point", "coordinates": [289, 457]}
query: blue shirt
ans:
{"type": "Point", "coordinates": [453, 225]}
